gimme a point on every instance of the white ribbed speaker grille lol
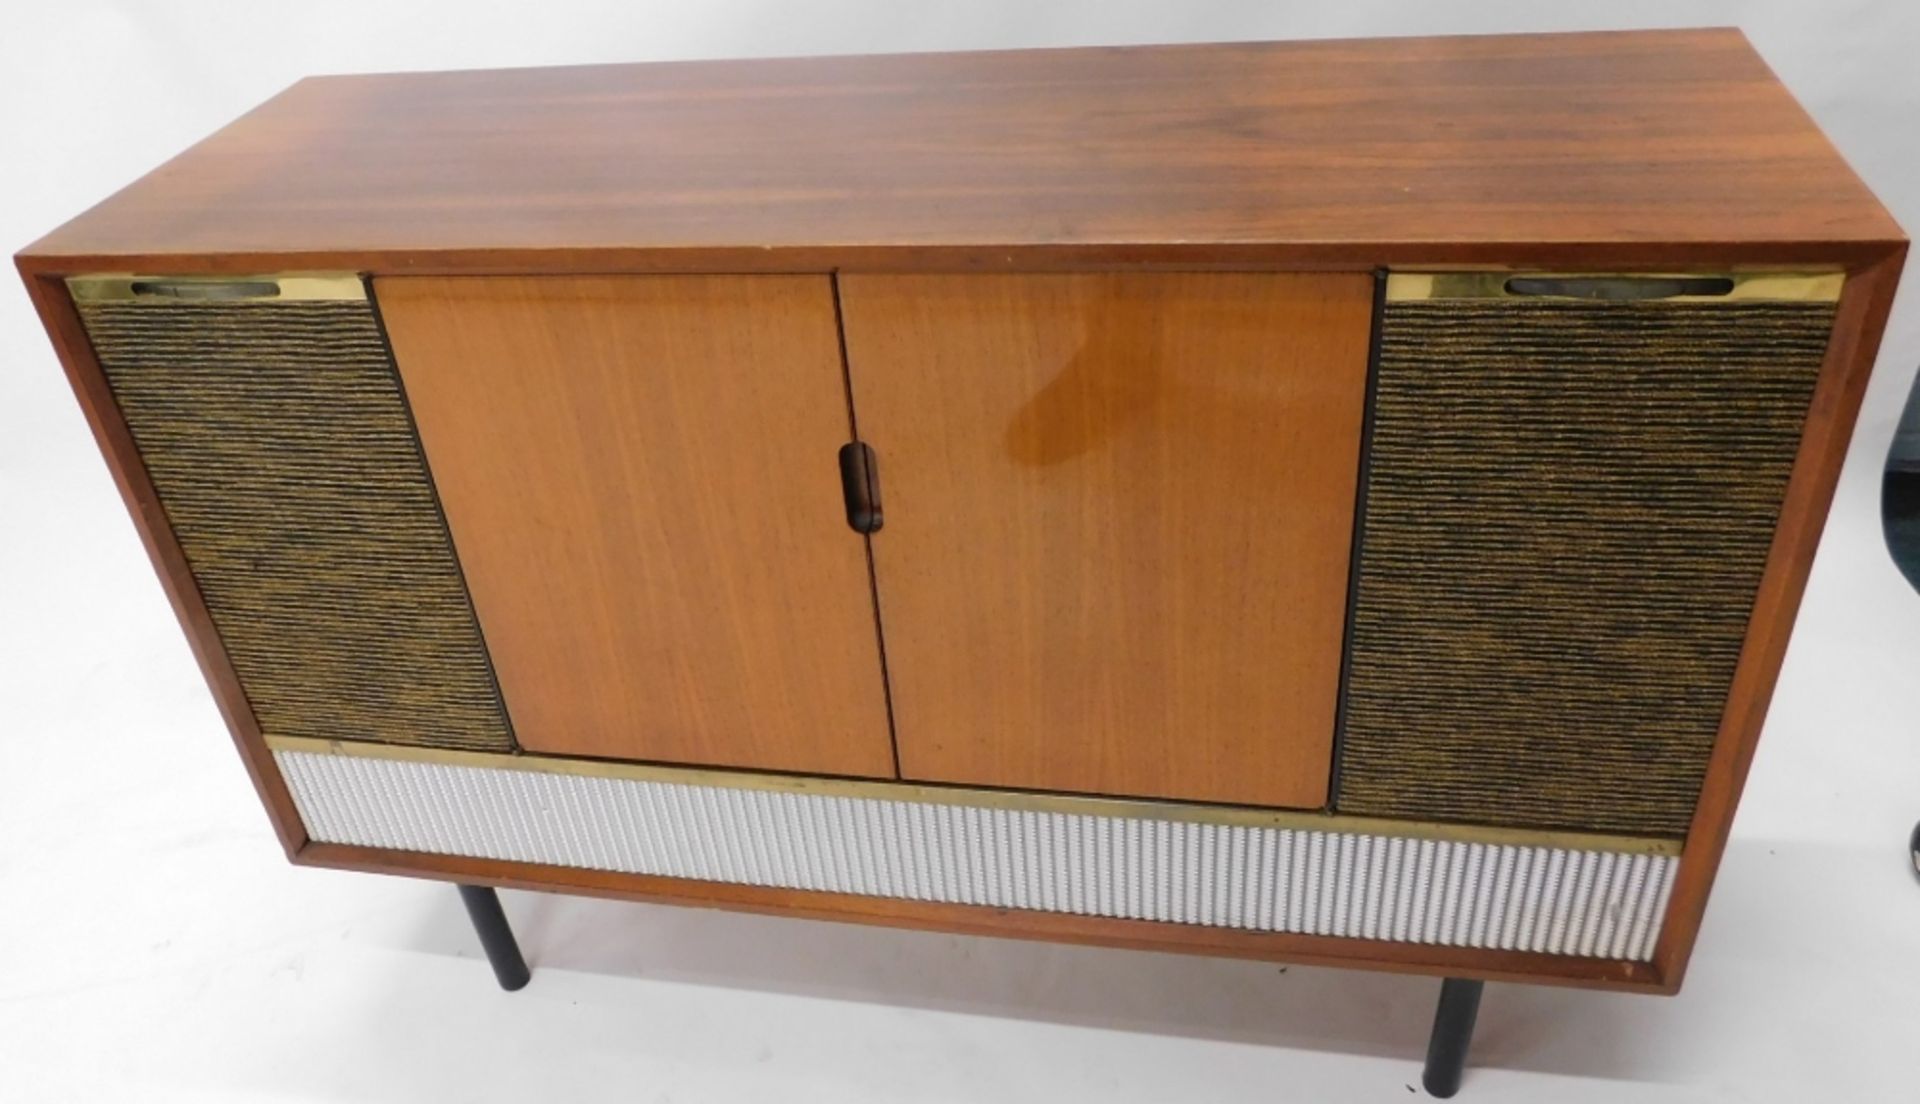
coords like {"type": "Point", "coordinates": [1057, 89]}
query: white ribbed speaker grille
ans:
{"type": "Point", "coordinates": [1529, 898]}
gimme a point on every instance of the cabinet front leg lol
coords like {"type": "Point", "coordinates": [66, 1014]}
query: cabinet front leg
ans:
{"type": "Point", "coordinates": [1452, 1034]}
{"type": "Point", "coordinates": [496, 938]}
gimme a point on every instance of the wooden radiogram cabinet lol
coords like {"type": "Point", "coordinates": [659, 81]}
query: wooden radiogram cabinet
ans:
{"type": "Point", "coordinates": [1340, 502]}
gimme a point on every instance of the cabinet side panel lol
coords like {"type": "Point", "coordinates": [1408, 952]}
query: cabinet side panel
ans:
{"type": "Point", "coordinates": [54, 301]}
{"type": "Point", "coordinates": [1569, 506]}
{"type": "Point", "coordinates": [280, 446]}
{"type": "Point", "coordinates": [1859, 321]}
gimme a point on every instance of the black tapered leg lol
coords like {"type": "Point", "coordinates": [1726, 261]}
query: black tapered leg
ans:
{"type": "Point", "coordinates": [1452, 1033]}
{"type": "Point", "coordinates": [496, 938]}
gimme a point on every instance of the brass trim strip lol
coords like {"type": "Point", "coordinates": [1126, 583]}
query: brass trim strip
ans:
{"type": "Point", "coordinates": [1130, 808]}
{"type": "Point", "coordinates": [1816, 287]}
{"type": "Point", "coordinates": [294, 286]}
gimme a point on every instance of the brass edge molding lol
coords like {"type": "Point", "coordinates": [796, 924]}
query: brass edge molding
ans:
{"type": "Point", "coordinates": [1020, 800]}
{"type": "Point", "coordinates": [273, 287]}
{"type": "Point", "coordinates": [1798, 286]}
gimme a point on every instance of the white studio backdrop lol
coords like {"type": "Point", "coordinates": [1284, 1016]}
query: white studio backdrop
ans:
{"type": "Point", "coordinates": [143, 901]}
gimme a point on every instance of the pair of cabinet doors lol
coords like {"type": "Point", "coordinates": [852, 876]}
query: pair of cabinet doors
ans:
{"type": "Point", "coordinates": [1118, 517]}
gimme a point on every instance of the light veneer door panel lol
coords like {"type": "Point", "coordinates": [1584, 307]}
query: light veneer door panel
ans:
{"type": "Point", "coordinates": [640, 477]}
{"type": "Point", "coordinates": [1119, 524]}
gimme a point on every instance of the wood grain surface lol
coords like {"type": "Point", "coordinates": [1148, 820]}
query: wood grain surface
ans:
{"type": "Point", "coordinates": [1589, 148]}
{"type": "Point", "coordinates": [1119, 515]}
{"type": "Point", "coordinates": [640, 475]}
{"type": "Point", "coordinates": [1859, 321]}
{"type": "Point", "coordinates": [1568, 152]}
{"type": "Point", "coordinates": [135, 484]}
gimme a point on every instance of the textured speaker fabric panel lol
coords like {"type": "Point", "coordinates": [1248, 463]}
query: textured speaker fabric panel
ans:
{"type": "Point", "coordinates": [1559, 901]}
{"type": "Point", "coordinates": [279, 442]}
{"type": "Point", "coordinates": [1568, 508]}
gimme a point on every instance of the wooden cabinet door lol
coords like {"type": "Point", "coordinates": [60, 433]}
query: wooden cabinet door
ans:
{"type": "Point", "coordinates": [640, 477]}
{"type": "Point", "coordinates": [1119, 512]}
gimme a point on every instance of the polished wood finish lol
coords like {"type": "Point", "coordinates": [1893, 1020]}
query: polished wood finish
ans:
{"type": "Point", "coordinates": [640, 477]}
{"type": "Point", "coordinates": [1860, 318]}
{"type": "Point", "coordinates": [1654, 150]}
{"type": "Point", "coordinates": [130, 477]}
{"type": "Point", "coordinates": [1611, 148]}
{"type": "Point", "coordinates": [1115, 559]}
{"type": "Point", "coordinates": [1058, 927]}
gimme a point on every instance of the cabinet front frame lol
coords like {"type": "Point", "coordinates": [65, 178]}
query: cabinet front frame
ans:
{"type": "Point", "coordinates": [1872, 272]}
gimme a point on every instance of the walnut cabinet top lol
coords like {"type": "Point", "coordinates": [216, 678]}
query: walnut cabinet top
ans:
{"type": "Point", "coordinates": [1664, 147]}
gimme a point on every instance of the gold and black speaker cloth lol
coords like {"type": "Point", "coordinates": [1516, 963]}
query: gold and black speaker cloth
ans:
{"type": "Point", "coordinates": [271, 420]}
{"type": "Point", "coordinates": [1570, 495]}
